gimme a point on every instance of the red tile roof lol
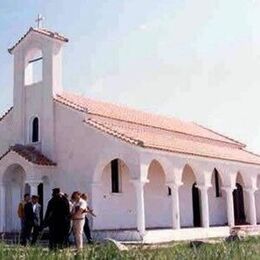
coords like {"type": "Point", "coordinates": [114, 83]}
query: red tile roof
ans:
{"type": "Point", "coordinates": [158, 132]}
{"type": "Point", "coordinates": [123, 113]}
{"type": "Point", "coordinates": [42, 31]}
{"type": "Point", "coordinates": [30, 154]}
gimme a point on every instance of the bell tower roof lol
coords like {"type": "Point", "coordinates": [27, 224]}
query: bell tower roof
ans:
{"type": "Point", "coordinates": [42, 31]}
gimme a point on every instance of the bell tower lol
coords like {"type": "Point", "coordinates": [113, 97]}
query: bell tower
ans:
{"type": "Point", "coordinates": [37, 79]}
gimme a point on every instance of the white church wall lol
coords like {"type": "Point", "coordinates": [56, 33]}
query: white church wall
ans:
{"type": "Point", "coordinates": [156, 199]}
{"type": "Point", "coordinates": [6, 125]}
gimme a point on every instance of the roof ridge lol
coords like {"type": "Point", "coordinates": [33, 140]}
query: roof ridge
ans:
{"type": "Point", "coordinates": [6, 113]}
{"type": "Point", "coordinates": [115, 133]}
{"type": "Point", "coordinates": [231, 139]}
{"type": "Point", "coordinates": [255, 154]}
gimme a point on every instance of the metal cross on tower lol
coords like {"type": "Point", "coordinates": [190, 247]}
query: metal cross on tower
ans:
{"type": "Point", "coordinates": [39, 20]}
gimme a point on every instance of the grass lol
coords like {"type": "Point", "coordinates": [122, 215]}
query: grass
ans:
{"type": "Point", "coordinates": [249, 248]}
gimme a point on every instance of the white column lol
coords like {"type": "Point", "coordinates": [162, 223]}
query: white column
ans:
{"type": "Point", "coordinates": [33, 187]}
{"type": "Point", "coordinates": [140, 212]}
{"type": "Point", "coordinates": [2, 207]}
{"type": "Point", "coordinates": [204, 205]}
{"type": "Point", "coordinates": [96, 196]}
{"type": "Point", "coordinates": [230, 205]}
{"type": "Point", "coordinates": [175, 204]}
{"type": "Point", "coordinates": [252, 207]}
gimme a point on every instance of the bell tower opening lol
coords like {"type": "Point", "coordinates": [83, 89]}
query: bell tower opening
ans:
{"type": "Point", "coordinates": [33, 67]}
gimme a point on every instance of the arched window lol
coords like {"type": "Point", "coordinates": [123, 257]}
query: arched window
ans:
{"type": "Point", "coordinates": [115, 176]}
{"type": "Point", "coordinates": [169, 191]}
{"type": "Point", "coordinates": [35, 130]}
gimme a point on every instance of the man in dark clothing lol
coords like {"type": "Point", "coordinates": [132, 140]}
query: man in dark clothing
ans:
{"type": "Point", "coordinates": [57, 218]}
{"type": "Point", "coordinates": [28, 223]}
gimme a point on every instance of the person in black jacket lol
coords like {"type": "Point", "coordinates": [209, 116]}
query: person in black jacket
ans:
{"type": "Point", "coordinates": [28, 223]}
{"type": "Point", "coordinates": [57, 218]}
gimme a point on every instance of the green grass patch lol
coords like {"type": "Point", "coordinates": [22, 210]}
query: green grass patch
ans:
{"type": "Point", "coordinates": [249, 248]}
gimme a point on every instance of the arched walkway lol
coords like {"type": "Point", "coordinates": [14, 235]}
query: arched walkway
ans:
{"type": "Point", "coordinates": [157, 198]}
{"type": "Point", "coordinates": [190, 211]}
{"type": "Point", "coordinates": [239, 202]}
{"type": "Point", "coordinates": [13, 179]}
{"type": "Point", "coordinates": [217, 201]}
{"type": "Point", "coordinates": [115, 197]}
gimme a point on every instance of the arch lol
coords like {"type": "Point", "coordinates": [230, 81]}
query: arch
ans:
{"type": "Point", "coordinates": [117, 209]}
{"type": "Point", "coordinates": [187, 193]}
{"type": "Point", "coordinates": [13, 178]}
{"type": "Point", "coordinates": [156, 193]}
{"type": "Point", "coordinates": [102, 163]}
{"type": "Point", "coordinates": [238, 200]}
{"type": "Point", "coordinates": [217, 200]}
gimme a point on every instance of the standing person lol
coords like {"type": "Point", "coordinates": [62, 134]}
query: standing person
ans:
{"type": "Point", "coordinates": [20, 210]}
{"type": "Point", "coordinates": [87, 232]}
{"type": "Point", "coordinates": [28, 223]}
{"type": "Point", "coordinates": [78, 218]}
{"type": "Point", "coordinates": [57, 218]}
{"type": "Point", "coordinates": [69, 223]}
{"type": "Point", "coordinates": [36, 207]}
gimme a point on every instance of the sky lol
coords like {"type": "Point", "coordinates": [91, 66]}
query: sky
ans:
{"type": "Point", "coordinates": [197, 60]}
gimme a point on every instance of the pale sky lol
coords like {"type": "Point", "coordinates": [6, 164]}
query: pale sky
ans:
{"type": "Point", "coordinates": [198, 60]}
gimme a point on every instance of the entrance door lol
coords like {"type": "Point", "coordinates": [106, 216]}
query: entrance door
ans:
{"type": "Point", "coordinates": [196, 206]}
{"type": "Point", "coordinates": [239, 209]}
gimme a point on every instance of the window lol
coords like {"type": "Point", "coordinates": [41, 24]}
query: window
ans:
{"type": "Point", "coordinates": [35, 130]}
{"type": "Point", "coordinates": [169, 191]}
{"type": "Point", "coordinates": [217, 186]}
{"type": "Point", "coordinates": [115, 178]}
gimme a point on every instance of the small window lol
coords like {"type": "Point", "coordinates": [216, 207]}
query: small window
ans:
{"type": "Point", "coordinates": [115, 176]}
{"type": "Point", "coordinates": [35, 130]}
{"type": "Point", "coordinates": [169, 191]}
{"type": "Point", "coordinates": [217, 184]}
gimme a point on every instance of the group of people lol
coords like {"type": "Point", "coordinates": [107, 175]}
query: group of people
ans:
{"type": "Point", "coordinates": [63, 216]}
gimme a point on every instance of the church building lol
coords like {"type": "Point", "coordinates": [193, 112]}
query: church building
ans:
{"type": "Point", "coordinates": [149, 178]}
